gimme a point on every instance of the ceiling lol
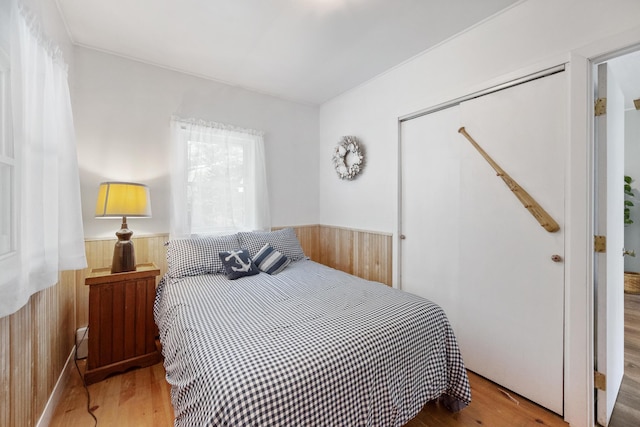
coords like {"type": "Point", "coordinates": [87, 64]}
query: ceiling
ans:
{"type": "Point", "coordinates": [304, 50]}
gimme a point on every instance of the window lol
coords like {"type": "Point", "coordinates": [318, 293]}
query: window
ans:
{"type": "Point", "coordinates": [7, 164]}
{"type": "Point", "coordinates": [218, 179]}
{"type": "Point", "coordinates": [40, 210]}
{"type": "Point", "coordinates": [216, 196]}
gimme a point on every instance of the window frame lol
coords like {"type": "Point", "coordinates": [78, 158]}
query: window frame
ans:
{"type": "Point", "coordinates": [257, 215]}
{"type": "Point", "coordinates": [7, 160]}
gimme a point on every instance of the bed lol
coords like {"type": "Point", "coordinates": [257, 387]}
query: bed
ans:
{"type": "Point", "coordinates": [306, 345]}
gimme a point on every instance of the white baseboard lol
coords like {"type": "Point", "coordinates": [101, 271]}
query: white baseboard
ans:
{"type": "Point", "coordinates": [58, 390]}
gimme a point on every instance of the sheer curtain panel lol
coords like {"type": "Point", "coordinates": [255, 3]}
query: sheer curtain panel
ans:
{"type": "Point", "coordinates": [218, 179]}
{"type": "Point", "coordinates": [46, 188]}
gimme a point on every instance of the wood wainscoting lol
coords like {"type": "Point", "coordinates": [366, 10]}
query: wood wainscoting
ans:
{"type": "Point", "coordinates": [35, 343]}
{"type": "Point", "coordinates": [364, 254]}
{"type": "Point", "coordinates": [361, 253]}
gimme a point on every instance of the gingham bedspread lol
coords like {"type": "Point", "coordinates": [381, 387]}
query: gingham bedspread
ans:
{"type": "Point", "coordinates": [310, 346]}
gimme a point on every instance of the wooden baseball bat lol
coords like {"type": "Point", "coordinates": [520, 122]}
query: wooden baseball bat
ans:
{"type": "Point", "coordinates": [545, 220]}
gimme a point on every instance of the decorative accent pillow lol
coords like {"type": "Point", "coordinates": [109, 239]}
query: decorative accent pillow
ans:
{"type": "Point", "coordinates": [192, 257]}
{"type": "Point", "coordinates": [237, 263]}
{"type": "Point", "coordinates": [285, 241]}
{"type": "Point", "coordinates": [270, 261]}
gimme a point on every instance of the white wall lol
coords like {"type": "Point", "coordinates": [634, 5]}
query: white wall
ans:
{"type": "Point", "coordinates": [122, 110]}
{"type": "Point", "coordinates": [534, 32]}
{"type": "Point", "coordinates": [526, 38]}
{"type": "Point", "coordinates": [632, 168]}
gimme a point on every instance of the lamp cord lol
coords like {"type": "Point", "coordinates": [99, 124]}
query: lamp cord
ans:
{"type": "Point", "coordinates": [84, 383]}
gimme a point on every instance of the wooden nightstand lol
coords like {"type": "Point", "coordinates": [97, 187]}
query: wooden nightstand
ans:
{"type": "Point", "coordinates": [121, 327]}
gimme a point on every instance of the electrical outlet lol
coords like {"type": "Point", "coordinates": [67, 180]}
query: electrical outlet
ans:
{"type": "Point", "coordinates": [82, 343]}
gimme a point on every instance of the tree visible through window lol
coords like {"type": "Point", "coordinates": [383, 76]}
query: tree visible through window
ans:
{"type": "Point", "coordinates": [218, 179]}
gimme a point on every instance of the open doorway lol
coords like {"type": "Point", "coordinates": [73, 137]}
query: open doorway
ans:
{"type": "Point", "coordinates": [618, 153]}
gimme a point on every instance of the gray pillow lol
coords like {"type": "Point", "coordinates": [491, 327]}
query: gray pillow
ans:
{"type": "Point", "coordinates": [192, 257]}
{"type": "Point", "coordinates": [284, 241]}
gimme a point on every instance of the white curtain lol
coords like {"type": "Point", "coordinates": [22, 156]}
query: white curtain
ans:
{"type": "Point", "coordinates": [48, 215]}
{"type": "Point", "coordinates": [192, 150]}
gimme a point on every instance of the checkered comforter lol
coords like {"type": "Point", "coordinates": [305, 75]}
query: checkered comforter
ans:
{"type": "Point", "coordinates": [310, 346]}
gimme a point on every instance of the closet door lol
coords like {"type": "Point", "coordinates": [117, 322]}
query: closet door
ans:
{"type": "Point", "coordinates": [430, 267]}
{"type": "Point", "coordinates": [500, 277]}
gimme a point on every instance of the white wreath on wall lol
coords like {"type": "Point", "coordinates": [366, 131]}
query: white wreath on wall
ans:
{"type": "Point", "coordinates": [348, 158]}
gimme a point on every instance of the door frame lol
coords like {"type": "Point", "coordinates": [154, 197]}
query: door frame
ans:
{"type": "Point", "coordinates": [595, 63]}
{"type": "Point", "coordinates": [548, 71]}
{"type": "Point", "coordinates": [532, 74]}
{"type": "Point", "coordinates": [553, 396]}
{"type": "Point", "coordinates": [579, 278]}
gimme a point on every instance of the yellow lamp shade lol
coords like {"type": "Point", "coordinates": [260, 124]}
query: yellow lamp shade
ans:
{"type": "Point", "coordinates": [123, 199]}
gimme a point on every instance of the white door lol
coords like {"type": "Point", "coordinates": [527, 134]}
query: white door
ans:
{"type": "Point", "coordinates": [473, 248]}
{"type": "Point", "coordinates": [609, 274]}
{"type": "Point", "coordinates": [431, 209]}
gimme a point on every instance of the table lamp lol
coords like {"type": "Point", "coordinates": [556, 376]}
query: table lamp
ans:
{"type": "Point", "coordinates": [123, 199]}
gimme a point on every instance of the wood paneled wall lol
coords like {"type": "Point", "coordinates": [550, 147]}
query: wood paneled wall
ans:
{"type": "Point", "coordinates": [364, 254]}
{"type": "Point", "coordinates": [361, 253]}
{"type": "Point", "coordinates": [35, 343]}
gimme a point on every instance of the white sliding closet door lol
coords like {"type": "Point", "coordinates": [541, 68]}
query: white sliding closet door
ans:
{"type": "Point", "coordinates": [431, 213]}
{"type": "Point", "coordinates": [477, 251]}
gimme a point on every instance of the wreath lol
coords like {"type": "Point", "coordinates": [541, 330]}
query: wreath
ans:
{"type": "Point", "coordinates": [348, 158]}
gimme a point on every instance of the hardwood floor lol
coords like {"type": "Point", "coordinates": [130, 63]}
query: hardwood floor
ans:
{"type": "Point", "coordinates": [141, 398]}
{"type": "Point", "coordinates": [136, 398]}
{"type": "Point", "coordinates": [626, 413]}
{"type": "Point", "coordinates": [491, 405]}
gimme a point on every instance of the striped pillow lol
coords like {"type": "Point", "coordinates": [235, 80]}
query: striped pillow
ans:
{"type": "Point", "coordinates": [270, 261]}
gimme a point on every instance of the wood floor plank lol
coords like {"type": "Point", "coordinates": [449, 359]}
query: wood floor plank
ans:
{"type": "Point", "coordinates": [72, 409]}
{"type": "Point", "coordinates": [626, 412]}
{"type": "Point", "coordinates": [491, 405]}
{"type": "Point", "coordinates": [107, 399]}
{"type": "Point", "coordinates": [141, 398]}
{"type": "Point", "coordinates": [160, 393]}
